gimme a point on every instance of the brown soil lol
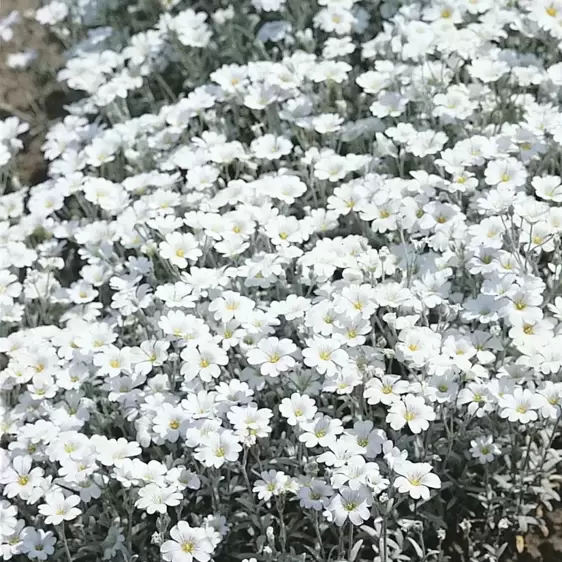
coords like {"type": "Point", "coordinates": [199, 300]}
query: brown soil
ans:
{"type": "Point", "coordinates": [545, 546]}
{"type": "Point", "coordinates": [33, 94]}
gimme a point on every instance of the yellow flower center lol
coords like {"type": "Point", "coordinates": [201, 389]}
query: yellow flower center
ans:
{"type": "Point", "coordinates": [23, 480]}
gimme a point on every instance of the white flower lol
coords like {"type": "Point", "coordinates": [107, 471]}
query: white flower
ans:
{"type": "Point", "coordinates": [322, 431]}
{"type": "Point", "coordinates": [218, 448]}
{"type": "Point", "coordinates": [314, 494]}
{"type": "Point", "coordinates": [411, 410]}
{"type": "Point", "coordinates": [154, 498]}
{"type": "Point", "coordinates": [298, 409]}
{"type": "Point", "coordinates": [270, 147]}
{"type": "Point", "coordinates": [274, 356]}
{"type": "Point", "coordinates": [355, 474]}
{"type": "Point", "coordinates": [204, 362]}
{"type": "Point", "coordinates": [37, 544]}
{"type": "Point", "coordinates": [349, 504]}
{"type": "Point", "coordinates": [508, 172]}
{"type": "Point", "coordinates": [187, 544]}
{"type": "Point", "coordinates": [20, 479]}
{"type": "Point", "coordinates": [387, 389]}
{"type": "Point", "coordinates": [325, 355]}
{"type": "Point", "coordinates": [178, 248]}
{"type": "Point", "coordinates": [8, 519]}
{"type": "Point", "coordinates": [520, 406]}
{"type": "Point", "coordinates": [415, 479]}
{"type": "Point", "coordinates": [58, 508]}
{"type": "Point", "coordinates": [550, 395]}
{"type": "Point", "coordinates": [484, 449]}
{"type": "Point", "coordinates": [250, 422]}
{"type": "Point", "coordinates": [231, 305]}
{"type": "Point", "coordinates": [272, 483]}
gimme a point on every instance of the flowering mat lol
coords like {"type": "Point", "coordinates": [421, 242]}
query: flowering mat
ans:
{"type": "Point", "coordinates": [280, 280]}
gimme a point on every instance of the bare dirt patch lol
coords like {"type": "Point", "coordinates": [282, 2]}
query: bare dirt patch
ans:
{"type": "Point", "coordinates": [545, 546]}
{"type": "Point", "coordinates": [31, 94]}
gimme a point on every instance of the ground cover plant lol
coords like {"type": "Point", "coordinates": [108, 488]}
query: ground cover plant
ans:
{"type": "Point", "coordinates": [292, 288]}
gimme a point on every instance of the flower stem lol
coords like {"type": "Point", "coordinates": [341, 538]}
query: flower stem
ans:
{"type": "Point", "coordinates": [65, 542]}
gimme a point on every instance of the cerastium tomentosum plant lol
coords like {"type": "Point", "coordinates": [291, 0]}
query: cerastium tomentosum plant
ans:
{"type": "Point", "coordinates": [292, 288]}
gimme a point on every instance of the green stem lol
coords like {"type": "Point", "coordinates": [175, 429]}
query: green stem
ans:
{"type": "Point", "coordinates": [350, 546]}
{"type": "Point", "coordinates": [65, 542]}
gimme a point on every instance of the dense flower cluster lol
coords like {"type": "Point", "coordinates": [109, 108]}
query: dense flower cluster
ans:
{"type": "Point", "coordinates": [292, 289]}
